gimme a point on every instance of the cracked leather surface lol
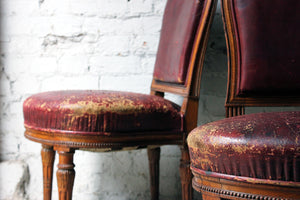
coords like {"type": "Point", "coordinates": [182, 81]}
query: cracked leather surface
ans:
{"type": "Point", "coordinates": [100, 112]}
{"type": "Point", "coordinates": [262, 145]}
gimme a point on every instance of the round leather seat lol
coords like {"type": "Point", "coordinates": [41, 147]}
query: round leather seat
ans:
{"type": "Point", "coordinates": [100, 112]}
{"type": "Point", "coordinates": [262, 145]}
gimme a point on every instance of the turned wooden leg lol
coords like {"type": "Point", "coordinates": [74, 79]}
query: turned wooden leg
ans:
{"type": "Point", "coordinates": [48, 156]}
{"type": "Point", "coordinates": [154, 156]}
{"type": "Point", "coordinates": [185, 175]}
{"type": "Point", "coordinates": [65, 175]}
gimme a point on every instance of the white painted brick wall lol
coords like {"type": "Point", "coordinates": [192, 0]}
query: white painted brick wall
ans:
{"type": "Point", "coordinates": [13, 188]}
{"type": "Point", "coordinates": [92, 44]}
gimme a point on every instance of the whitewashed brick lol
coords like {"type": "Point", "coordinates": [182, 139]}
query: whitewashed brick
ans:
{"type": "Point", "coordinates": [84, 7]}
{"type": "Point", "coordinates": [35, 188]}
{"type": "Point", "coordinates": [87, 82]}
{"type": "Point", "coordinates": [19, 7]}
{"type": "Point", "coordinates": [27, 25]}
{"type": "Point", "coordinates": [22, 45]}
{"type": "Point", "coordinates": [14, 108]}
{"type": "Point", "coordinates": [131, 26]}
{"type": "Point", "coordinates": [113, 45]}
{"type": "Point", "coordinates": [112, 26]}
{"type": "Point", "coordinates": [152, 25]}
{"type": "Point", "coordinates": [24, 25]}
{"type": "Point", "coordinates": [138, 7]}
{"type": "Point", "coordinates": [9, 142]}
{"type": "Point", "coordinates": [75, 64]}
{"type": "Point", "coordinates": [146, 44]}
{"type": "Point", "coordinates": [170, 180]}
{"type": "Point", "coordinates": [12, 185]}
{"type": "Point", "coordinates": [26, 84]}
{"type": "Point", "coordinates": [43, 65]}
{"type": "Point", "coordinates": [112, 8]}
{"type": "Point", "coordinates": [5, 85]}
{"type": "Point", "coordinates": [167, 171]}
{"type": "Point", "coordinates": [170, 150]}
{"type": "Point", "coordinates": [66, 25]}
{"type": "Point", "coordinates": [14, 65]}
{"type": "Point", "coordinates": [139, 84]}
{"type": "Point", "coordinates": [90, 38]}
{"type": "Point", "coordinates": [95, 25]}
{"type": "Point", "coordinates": [40, 26]}
{"type": "Point", "coordinates": [148, 64]}
{"type": "Point", "coordinates": [89, 196]}
{"type": "Point", "coordinates": [29, 148]}
{"type": "Point", "coordinates": [54, 7]}
{"type": "Point", "coordinates": [116, 65]}
{"type": "Point", "coordinates": [141, 165]}
{"type": "Point", "coordinates": [65, 46]}
{"type": "Point", "coordinates": [159, 6]}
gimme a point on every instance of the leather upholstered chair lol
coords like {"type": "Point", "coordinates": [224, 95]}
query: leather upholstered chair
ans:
{"type": "Point", "coordinates": [66, 121]}
{"type": "Point", "coordinates": [254, 156]}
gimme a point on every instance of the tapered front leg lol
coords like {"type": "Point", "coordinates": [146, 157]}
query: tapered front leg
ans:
{"type": "Point", "coordinates": [65, 174]}
{"type": "Point", "coordinates": [186, 175]}
{"type": "Point", "coordinates": [48, 156]}
{"type": "Point", "coordinates": [154, 156]}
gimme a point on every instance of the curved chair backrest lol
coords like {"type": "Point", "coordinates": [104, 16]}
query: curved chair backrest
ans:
{"type": "Point", "coordinates": [264, 53]}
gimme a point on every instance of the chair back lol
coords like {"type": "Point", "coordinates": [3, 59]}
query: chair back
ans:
{"type": "Point", "coordinates": [181, 51]}
{"type": "Point", "coordinates": [263, 46]}
{"type": "Point", "coordinates": [183, 39]}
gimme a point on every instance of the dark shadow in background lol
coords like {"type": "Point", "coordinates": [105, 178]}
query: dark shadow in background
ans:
{"type": "Point", "coordinates": [214, 77]}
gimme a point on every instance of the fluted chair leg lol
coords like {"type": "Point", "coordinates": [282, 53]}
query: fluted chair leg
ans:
{"type": "Point", "coordinates": [185, 175]}
{"type": "Point", "coordinates": [154, 156]}
{"type": "Point", "coordinates": [48, 157]}
{"type": "Point", "coordinates": [65, 174]}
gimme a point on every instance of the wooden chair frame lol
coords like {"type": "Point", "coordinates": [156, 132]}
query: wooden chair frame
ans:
{"type": "Point", "coordinates": [218, 188]}
{"type": "Point", "coordinates": [66, 144]}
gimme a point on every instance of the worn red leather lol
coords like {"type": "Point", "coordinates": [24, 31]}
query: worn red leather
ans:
{"type": "Point", "coordinates": [268, 45]}
{"type": "Point", "coordinates": [100, 112]}
{"type": "Point", "coordinates": [180, 22]}
{"type": "Point", "coordinates": [262, 145]}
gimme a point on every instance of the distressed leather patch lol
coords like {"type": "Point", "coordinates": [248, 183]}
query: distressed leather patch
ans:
{"type": "Point", "coordinates": [101, 112]}
{"type": "Point", "coordinates": [262, 145]}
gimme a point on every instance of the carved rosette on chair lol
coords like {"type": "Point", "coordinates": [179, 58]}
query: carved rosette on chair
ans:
{"type": "Point", "coordinates": [66, 121]}
{"type": "Point", "coordinates": [255, 156]}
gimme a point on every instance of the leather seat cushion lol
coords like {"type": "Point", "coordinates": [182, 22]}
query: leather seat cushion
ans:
{"type": "Point", "coordinates": [100, 112]}
{"type": "Point", "coordinates": [262, 145]}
